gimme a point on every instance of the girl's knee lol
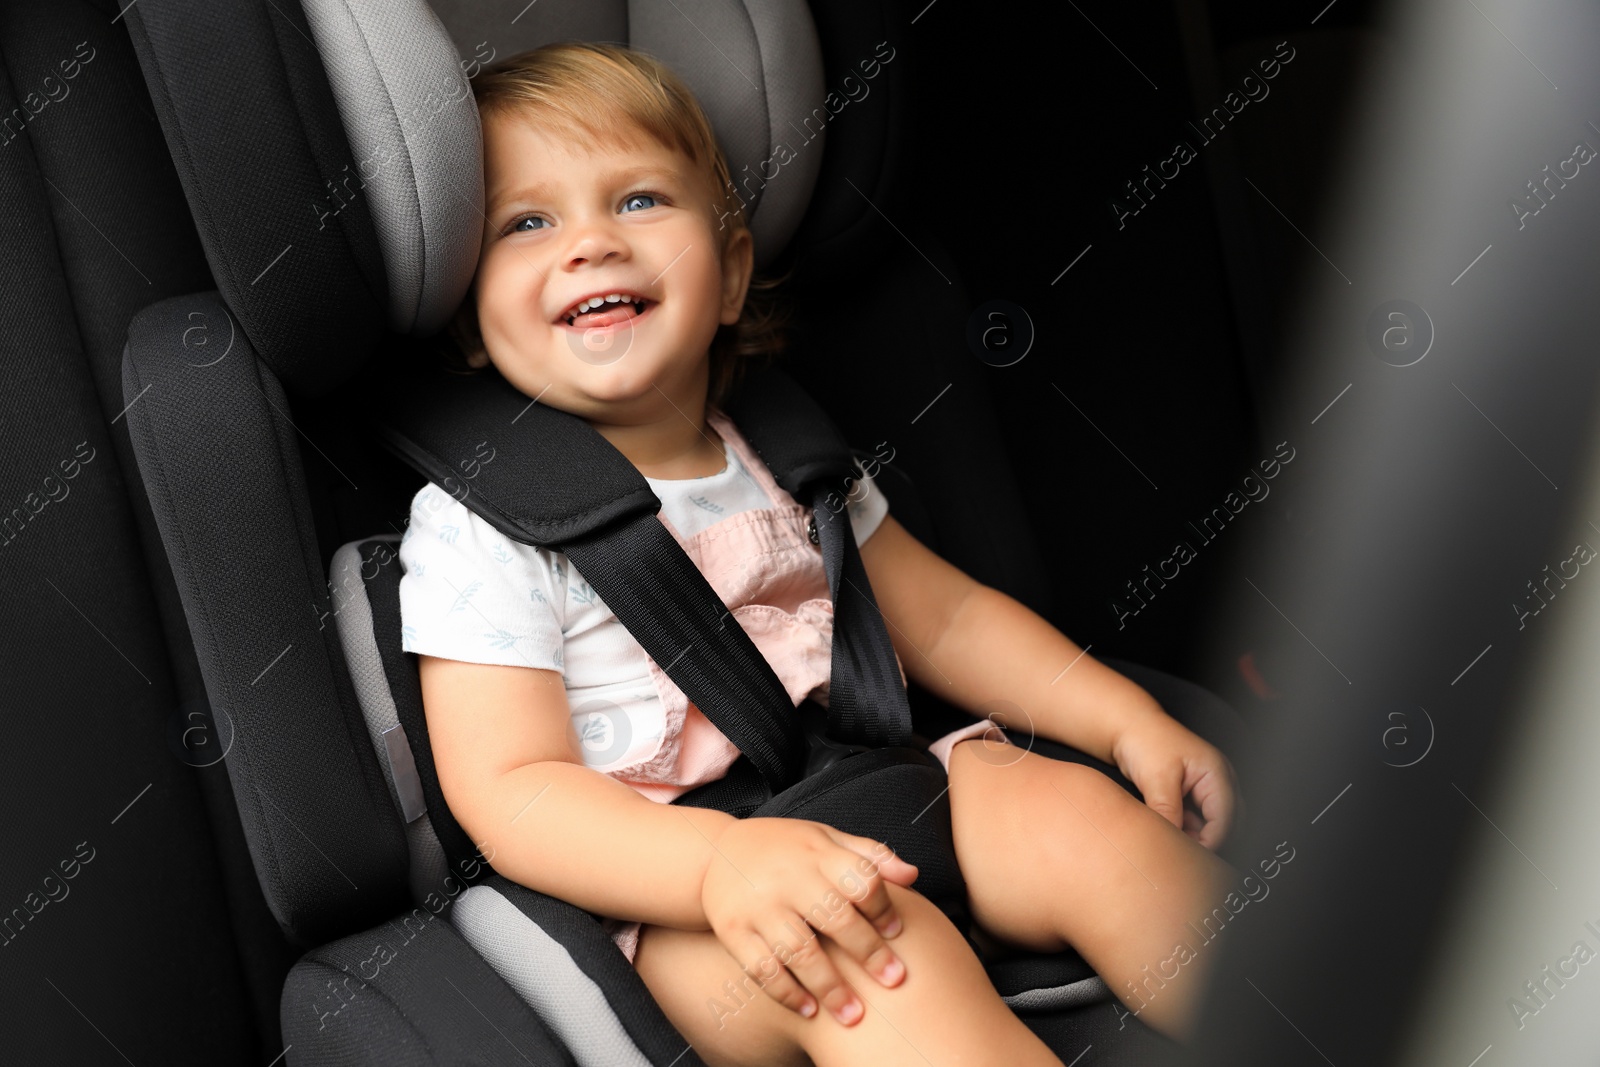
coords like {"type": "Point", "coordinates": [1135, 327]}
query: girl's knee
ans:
{"type": "Point", "coordinates": [945, 1001]}
{"type": "Point", "coordinates": [729, 1019]}
{"type": "Point", "coordinates": [929, 945]}
{"type": "Point", "coordinates": [719, 1009]}
{"type": "Point", "coordinates": [1011, 786]}
{"type": "Point", "coordinates": [1085, 782]}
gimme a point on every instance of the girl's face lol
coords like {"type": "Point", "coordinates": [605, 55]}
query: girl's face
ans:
{"type": "Point", "coordinates": [567, 221]}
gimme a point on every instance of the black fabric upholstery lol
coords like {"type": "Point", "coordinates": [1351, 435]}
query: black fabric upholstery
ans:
{"type": "Point", "coordinates": [1019, 972]}
{"type": "Point", "coordinates": [409, 993]}
{"type": "Point", "coordinates": [738, 792]}
{"type": "Point", "coordinates": [97, 663]}
{"type": "Point", "coordinates": [864, 138]}
{"type": "Point", "coordinates": [218, 453]}
{"type": "Point", "coordinates": [928, 405]}
{"type": "Point", "coordinates": [790, 431]}
{"type": "Point", "coordinates": [252, 127]}
{"type": "Point", "coordinates": [879, 372]}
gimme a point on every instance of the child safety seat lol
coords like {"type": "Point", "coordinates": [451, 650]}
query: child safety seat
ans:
{"type": "Point", "coordinates": [331, 156]}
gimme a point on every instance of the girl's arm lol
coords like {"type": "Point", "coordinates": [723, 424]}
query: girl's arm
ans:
{"type": "Point", "coordinates": [972, 644]}
{"type": "Point", "coordinates": [511, 768]}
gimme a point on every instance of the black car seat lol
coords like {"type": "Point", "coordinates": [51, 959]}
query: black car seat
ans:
{"type": "Point", "coordinates": [330, 155]}
{"type": "Point", "coordinates": [124, 846]}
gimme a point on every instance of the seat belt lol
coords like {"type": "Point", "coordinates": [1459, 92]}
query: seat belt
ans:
{"type": "Point", "coordinates": [489, 446]}
{"type": "Point", "coordinates": [809, 458]}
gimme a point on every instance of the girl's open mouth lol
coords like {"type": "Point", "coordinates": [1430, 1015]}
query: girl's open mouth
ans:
{"type": "Point", "coordinates": [607, 314]}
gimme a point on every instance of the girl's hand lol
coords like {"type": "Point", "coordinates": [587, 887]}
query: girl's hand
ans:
{"type": "Point", "coordinates": [1168, 762]}
{"type": "Point", "coordinates": [774, 883]}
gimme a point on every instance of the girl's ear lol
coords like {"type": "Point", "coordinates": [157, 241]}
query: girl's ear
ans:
{"type": "Point", "coordinates": [738, 262]}
{"type": "Point", "coordinates": [478, 359]}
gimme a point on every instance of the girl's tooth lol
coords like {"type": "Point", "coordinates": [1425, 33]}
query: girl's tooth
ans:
{"type": "Point", "coordinates": [597, 301]}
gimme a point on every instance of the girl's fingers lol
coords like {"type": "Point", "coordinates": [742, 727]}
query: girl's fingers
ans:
{"type": "Point", "coordinates": [1164, 796]}
{"type": "Point", "coordinates": [863, 880]}
{"type": "Point", "coordinates": [877, 852]}
{"type": "Point", "coordinates": [812, 968]}
{"type": "Point", "coordinates": [1214, 796]}
{"type": "Point", "coordinates": [851, 930]}
{"type": "Point", "coordinates": [761, 962]}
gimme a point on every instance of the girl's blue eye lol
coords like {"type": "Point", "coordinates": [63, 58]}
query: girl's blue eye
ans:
{"type": "Point", "coordinates": [640, 196]}
{"type": "Point", "coordinates": [516, 227]}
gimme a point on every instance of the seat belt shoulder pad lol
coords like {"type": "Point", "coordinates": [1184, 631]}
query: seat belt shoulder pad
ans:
{"type": "Point", "coordinates": [790, 431]}
{"type": "Point", "coordinates": [539, 475]}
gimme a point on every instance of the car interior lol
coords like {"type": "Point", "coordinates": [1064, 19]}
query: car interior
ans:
{"type": "Point", "coordinates": [1076, 282]}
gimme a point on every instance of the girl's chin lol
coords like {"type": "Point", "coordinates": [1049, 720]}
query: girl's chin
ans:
{"type": "Point", "coordinates": [578, 379]}
{"type": "Point", "coordinates": [591, 387]}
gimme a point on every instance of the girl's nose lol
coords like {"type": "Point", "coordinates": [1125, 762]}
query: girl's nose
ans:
{"type": "Point", "coordinates": [595, 241]}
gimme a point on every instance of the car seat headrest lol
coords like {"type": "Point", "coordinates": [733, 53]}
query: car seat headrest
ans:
{"type": "Point", "coordinates": [417, 148]}
{"type": "Point", "coordinates": [756, 68]}
{"type": "Point", "coordinates": [407, 105]}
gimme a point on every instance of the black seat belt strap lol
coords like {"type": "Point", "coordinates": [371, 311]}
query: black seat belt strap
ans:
{"type": "Point", "coordinates": [650, 583]}
{"type": "Point", "coordinates": [866, 700]}
{"type": "Point", "coordinates": [809, 458]}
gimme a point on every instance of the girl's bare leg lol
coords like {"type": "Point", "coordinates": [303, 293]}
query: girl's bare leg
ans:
{"type": "Point", "coordinates": [944, 1012]}
{"type": "Point", "coordinates": [1057, 854]}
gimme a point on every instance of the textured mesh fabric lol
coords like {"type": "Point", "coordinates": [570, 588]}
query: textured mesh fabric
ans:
{"type": "Point", "coordinates": [409, 992]}
{"type": "Point", "coordinates": [417, 148]}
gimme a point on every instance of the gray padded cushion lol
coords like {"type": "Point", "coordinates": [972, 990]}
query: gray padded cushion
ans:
{"type": "Point", "coordinates": [413, 128]}
{"type": "Point", "coordinates": [757, 82]}
{"type": "Point", "coordinates": [352, 613]}
{"type": "Point", "coordinates": [791, 60]}
{"type": "Point", "coordinates": [545, 975]}
{"type": "Point", "coordinates": [1072, 995]}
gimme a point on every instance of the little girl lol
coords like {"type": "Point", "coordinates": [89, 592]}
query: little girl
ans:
{"type": "Point", "coordinates": [615, 284]}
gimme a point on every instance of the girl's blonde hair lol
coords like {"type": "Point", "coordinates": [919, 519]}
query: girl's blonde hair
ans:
{"type": "Point", "coordinates": [600, 90]}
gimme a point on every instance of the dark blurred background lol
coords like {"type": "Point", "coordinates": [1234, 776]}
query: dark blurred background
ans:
{"type": "Point", "coordinates": [1167, 332]}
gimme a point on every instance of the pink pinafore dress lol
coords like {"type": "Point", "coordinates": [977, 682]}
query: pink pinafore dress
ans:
{"type": "Point", "coordinates": [761, 562]}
